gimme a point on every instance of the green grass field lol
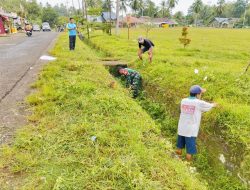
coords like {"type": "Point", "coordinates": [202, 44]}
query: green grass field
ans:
{"type": "Point", "coordinates": [221, 56]}
{"type": "Point", "coordinates": [72, 104]}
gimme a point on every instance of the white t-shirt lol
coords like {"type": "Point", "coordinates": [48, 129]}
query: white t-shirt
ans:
{"type": "Point", "coordinates": [190, 117]}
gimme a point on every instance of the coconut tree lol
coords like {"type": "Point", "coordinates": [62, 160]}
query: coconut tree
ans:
{"type": "Point", "coordinates": [141, 6]}
{"type": "Point", "coordinates": [197, 6]}
{"type": "Point", "coordinates": [163, 7]}
{"type": "Point", "coordinates": [220, 7]}
{"type": "Point", "coordinates": [171, 4]}
{"type": "Point", "coordinates": [134, 5]}
{"type": "Point", "coordinates": [123, 6]}
{"type": "Point", "coordinates": [245, 13]}
{"type": "Point", "coordinates": [117, 16]}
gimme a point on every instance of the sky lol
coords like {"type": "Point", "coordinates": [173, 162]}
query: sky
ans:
{"type": "Point", "coordinates": [182, 5]}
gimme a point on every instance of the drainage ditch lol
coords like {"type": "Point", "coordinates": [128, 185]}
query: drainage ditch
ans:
{"type": "Point", "coordinates": [216, 163]}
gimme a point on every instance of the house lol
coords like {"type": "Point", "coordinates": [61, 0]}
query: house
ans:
{"type": "Point", "coordinates": [7, 22]}
{"type": "Point", "coordinates": [218, 22]}
{"type": "Point", "coordinates": [160, 22]}
{"type": "Point", "coordinates": [132, 21]}
{"type": "Point", "coordinates": [108, 17]}
{"type": "Point", "coordinates": [145, 19]}
{"type": "Point", "coordinates": [94, 18]}
{"type": "Point", "coordinates": [104, 17]}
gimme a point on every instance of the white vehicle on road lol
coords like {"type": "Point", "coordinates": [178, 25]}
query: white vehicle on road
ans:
{"type": "Point", "coordinates": [46, 27]}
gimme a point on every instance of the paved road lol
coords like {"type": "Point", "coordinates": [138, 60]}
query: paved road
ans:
{"type": "Point", "coordinates": [19, 65]}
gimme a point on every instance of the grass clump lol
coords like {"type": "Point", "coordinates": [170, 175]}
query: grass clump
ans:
{"type": "Point", "coordinates": [83, 134]}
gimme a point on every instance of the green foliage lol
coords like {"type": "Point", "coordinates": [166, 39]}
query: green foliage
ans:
{"type": "Point", "coordinates": [33, 10]}
{"type": "Point", "coordinates": [184, 40]}
{"type": "Point", "coordinates": [73, 103]}
{"type": "Point", "coordinates": [49, 15]}
{"type": "Point", "coordinates": [239, 8]}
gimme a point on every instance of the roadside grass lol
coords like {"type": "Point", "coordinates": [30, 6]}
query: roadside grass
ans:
{"type": "Point", "coordinates": [220, 56]}
{"type": "Point", "coordinates": [83, 134]}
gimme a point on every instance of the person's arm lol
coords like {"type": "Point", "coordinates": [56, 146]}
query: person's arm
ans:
{"type": "Point", "coordinates": [139, 45]}
{"type": "Point", "coordinates": [205, 106]}
{"type": "Point", "coordinates": [69, 27]}
{"type": "Point", "coordinates": [128, 80]}
{"type": "Point", "coordinates": [152, 43]}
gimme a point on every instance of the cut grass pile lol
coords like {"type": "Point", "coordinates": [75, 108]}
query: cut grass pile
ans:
{"type": "Point", "coordinates": [85, 135]}
{"type": "Point", "coordinates": [220, 56]}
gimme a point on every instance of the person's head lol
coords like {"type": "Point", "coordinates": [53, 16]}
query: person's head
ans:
{"type": "Point", "coordinates": [140, 40]}
{"type": "Point", "coordinates": [71, 20]}
{"type": "Point", "coordinates": [122, 71]}
{"type": "Point", "coordinates": [196, 91]}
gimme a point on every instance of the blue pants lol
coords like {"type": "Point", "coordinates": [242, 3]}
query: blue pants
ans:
{"type": "Point", "coordinates": [188, 142]}
{"type": "Point", "coordinates": [72, 42]}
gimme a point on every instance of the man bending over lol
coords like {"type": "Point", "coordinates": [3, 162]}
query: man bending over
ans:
{"type": "Point", "coordinates": [147, 46]}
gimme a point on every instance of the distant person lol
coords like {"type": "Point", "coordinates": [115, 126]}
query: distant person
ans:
{"type": "Point", "coordinates": [189, 122]}
{"type": "Point", "coordinates": [133, 79]}
{"type": "Point", "coordinates": [147, 46]}
{"type": "Point", "coordinates": [71, 26]}
{"type": "Point", "coordinates": [28, 27]}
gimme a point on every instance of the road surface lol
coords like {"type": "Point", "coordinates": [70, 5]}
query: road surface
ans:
{"type": "Point", "coordinates": [19, 65]}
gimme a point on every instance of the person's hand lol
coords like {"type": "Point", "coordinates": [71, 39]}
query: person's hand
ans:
{"type": "Point", "coordinates": [215, 105]}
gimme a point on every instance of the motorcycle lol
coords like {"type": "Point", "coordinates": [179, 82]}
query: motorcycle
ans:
{"type": "Point", "coordinates": [29, 33]}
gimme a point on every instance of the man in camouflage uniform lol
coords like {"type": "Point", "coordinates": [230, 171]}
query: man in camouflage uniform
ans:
{"type": "Point", "coordinates": [133, 79]}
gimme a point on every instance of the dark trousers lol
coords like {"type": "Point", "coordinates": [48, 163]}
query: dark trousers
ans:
{"type": "Point", "coordinates": [72, 42]}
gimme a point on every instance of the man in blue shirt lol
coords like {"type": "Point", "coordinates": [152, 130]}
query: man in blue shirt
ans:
{"type": "Point", "coordinates": [71, 26]}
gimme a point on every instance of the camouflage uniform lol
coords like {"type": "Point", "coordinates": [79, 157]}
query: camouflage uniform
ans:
{"type": "Point", "coordinates": [133, 79]}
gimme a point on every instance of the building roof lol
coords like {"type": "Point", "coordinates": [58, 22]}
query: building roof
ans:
{"type": "Point", "coordinates": [164, 21]}
{"type": "Point", "coordinates": [225, 20]}
{"type": "Point", "coordinates": [6, 14]}
{"type": "Point", "coordinates": [106, 16]}
{"type": "Point", "coordinates": [131, 19]}
{"type": "Point", "coordinates": [94, 18]}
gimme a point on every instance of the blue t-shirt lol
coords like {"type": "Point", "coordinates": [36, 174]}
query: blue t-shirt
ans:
{"type": "Point", "coordinates": [71, 26]}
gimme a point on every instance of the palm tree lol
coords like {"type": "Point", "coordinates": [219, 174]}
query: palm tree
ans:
{"type": "Point", "coordinates": [245, 12]}
{"type": "Point", "coordinates": [163, 7]}
{"type": "Point", "coordinates": [123, 6]}
{"type": "Point", "coordinates": [220, 8]}
{"type": "Point", "coordinates": [92, 3]}
{"type": "Point", "coordinates": [134, 5]}
{"type": "Point", "coordinates": [141, 6]}
{"type": "Point", "coordinates": [117, 16]}
{"type": "Point", "coordinates": [197, 6]}
{"type": "Point", "coordinates": [171, 4]}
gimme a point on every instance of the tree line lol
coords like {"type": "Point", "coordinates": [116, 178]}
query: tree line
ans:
{"type": "Point", "coordinates": [197, 12]}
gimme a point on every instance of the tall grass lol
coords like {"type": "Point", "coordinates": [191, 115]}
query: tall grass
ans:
{"type": "Point", "coordinates": [85, 135]}
{"type": "Point", "coordinates": [221, 56]}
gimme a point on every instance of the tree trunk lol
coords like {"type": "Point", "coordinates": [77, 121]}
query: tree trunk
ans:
{"type": "Point", "coordinates": [196, 18]}
{"type": "Point", "coordinates": [110, 19]}
{"type": "Point", "coordinates": [79, 7]}
{"type": "Point", "coordinates": [85, 12]}
{"type": "Point", "coordinates": [73, 5]}
{"type": "Point", "coordinates": [244, 18]}
{"type": "Point", "coordinates": [117, 17]}
{"type": "Point", "coordinates": [83, 8]}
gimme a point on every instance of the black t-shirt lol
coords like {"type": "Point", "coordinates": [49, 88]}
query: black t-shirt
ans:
{"type": "Point", "coordinates": [147, 44]}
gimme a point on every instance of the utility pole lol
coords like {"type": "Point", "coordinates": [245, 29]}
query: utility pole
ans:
{"type": "Point", "coordinates": [117, 16]}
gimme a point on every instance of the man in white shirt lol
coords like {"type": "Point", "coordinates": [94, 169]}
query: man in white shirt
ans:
{"type": "Point", "coordinates": [189, 122]}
